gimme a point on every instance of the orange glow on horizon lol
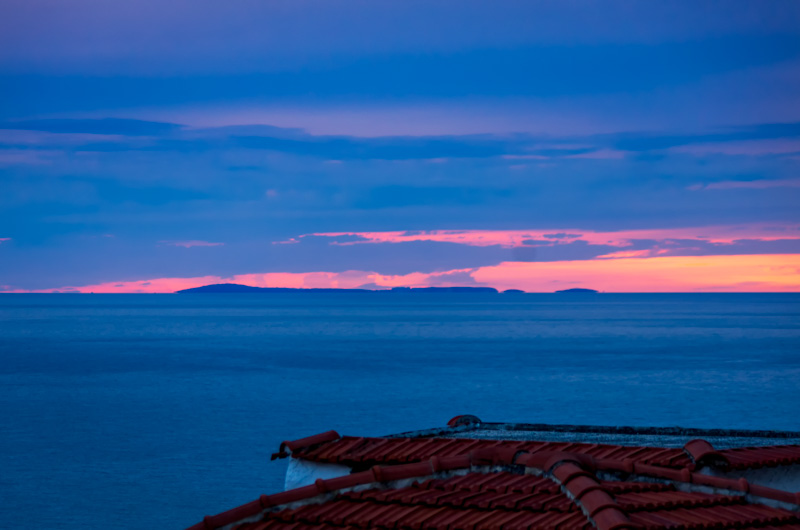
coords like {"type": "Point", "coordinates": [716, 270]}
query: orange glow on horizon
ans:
{"type": "Point", "coordinates": [744, 273]}
{"type": "Point", "coordinates": [673, 274]}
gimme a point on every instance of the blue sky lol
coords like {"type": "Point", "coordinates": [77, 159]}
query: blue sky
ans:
{"type": "Point", "coordinates": [195, 139]}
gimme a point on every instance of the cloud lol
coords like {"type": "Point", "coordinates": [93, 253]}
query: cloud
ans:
{"type": "Point", "coordinates": [395, 215]}
{"type": "Point", "coordinates": [191, 243]}
{"type": "Point", "coordinates": [401, 196]}
{"type": "Point", "coordinates": [602, 154]}
{"type": "Point", "coordinates": [121, 135]}
{"type": "Point", "coordinates": [412, 139]}
{"type": "Point", "coordinates": [747, 184]}
{"type": "Point", "coordinates": [26, 157]}
{"type": "Point", "coordinates": [620, 238]}
{"type": "Point", "coordinates": [561, 235]}
{"type": "Point", "coordinates": [91, 33]}
{"type": "Point", "coordinates": [457, 278]}
{"type": "Point", "coordinates": [779, 146]}
{"type": "Point", "coordinates": [342, 240]}
{"type": "Point", "coordinates": [386, 148]}
{"type": "Point", "coordinates": [754, 273]}
{"type": "Point", "coordinates": [755, 139]}
{"type": "Point", "coordinates": [105, 126]}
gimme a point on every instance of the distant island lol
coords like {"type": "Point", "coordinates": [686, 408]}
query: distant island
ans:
{"type": "Point", "coordinates": [577, 290]}
{"type": "Point", "coordinates": [238, 288]}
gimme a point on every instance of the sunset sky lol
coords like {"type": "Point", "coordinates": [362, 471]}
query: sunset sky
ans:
{"type": "Point", "coordinates": [624, 146]}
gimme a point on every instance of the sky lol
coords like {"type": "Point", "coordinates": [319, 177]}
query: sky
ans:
{"type": "Point", "coordinates": [541, 145]}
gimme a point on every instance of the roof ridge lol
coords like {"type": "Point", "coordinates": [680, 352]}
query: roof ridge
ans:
{"type": "Point", "coordinates": [575, 474]}
{"type": "Point", "coordinates": [474, 421]}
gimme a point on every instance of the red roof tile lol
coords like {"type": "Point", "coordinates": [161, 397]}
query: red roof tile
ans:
{"type": "Point", "coordinates": [757, 457]}
{"type": "Point", "coordinates": [364, 452]}
{"type": "Point", "coordinates": [568, 495]}
{"type": "Point", "coordinates": [454, 502]}
{"type": "Point", "coordinates": [514, 484]}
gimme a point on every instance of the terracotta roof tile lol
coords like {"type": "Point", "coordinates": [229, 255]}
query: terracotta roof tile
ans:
{"type": "Point", "coordinates": [638, 501]}
{"type": "Point", "coordinates": [427, 483]}
{"type": "Point", "coordinates": [353, 451]}
{"type": "Point", "coordinates": [508, 500]}
{"type": "Point", "coordinates": [736, 516]}
{"type": "Point", "coordinates": [757, 457]}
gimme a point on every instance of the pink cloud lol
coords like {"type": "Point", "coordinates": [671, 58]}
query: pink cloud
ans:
{"type": "Point", "coordinates": [446, 117]}
{"type": "Point", "coordinates": [297, 280]}
{"type": "Point", "coordinates": [516, 238]}
{"type": "Point", "coordinates": [190, 244]}
{"type": "Point", "coordinates": [4, 239]}
{"type": "Point", "coordinates": [155, 285]}
{"type": "Point", "coordinates": [750, 273]}
{"type": "Point", "coordinates": [601, 154]}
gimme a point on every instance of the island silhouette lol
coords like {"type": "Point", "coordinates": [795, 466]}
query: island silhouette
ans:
{"type": "Point", "coordinates": [239, 288]}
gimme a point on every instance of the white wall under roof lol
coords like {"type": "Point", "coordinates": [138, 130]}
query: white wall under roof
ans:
{"type": "Point", "coordinates": [303, 472]}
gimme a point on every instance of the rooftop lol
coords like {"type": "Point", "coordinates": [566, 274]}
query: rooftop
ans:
{"type": "Point", "coordinates": [472, 474]}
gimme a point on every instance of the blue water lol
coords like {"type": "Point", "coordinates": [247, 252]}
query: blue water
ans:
{"type": "Point", "coordinates": [150, 411]}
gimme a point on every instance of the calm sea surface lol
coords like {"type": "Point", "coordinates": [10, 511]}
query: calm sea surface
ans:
{"type": "Point", "coordinates": [150, 411]}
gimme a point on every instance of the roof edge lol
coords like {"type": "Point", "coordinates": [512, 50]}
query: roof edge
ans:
{"type": "Point", "coordinates": [302, 443]}
{"type": "Point", "coordinates": [634, 430]}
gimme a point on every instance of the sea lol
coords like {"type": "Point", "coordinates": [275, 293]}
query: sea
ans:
{"type": "Point", "coordinates": [151, 411]}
